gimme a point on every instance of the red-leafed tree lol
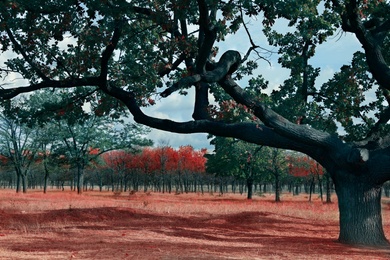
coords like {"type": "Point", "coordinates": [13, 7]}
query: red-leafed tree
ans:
{"type": "Point", "coordinates": [118, 161]}
{"type": "Point", "coordinates": [148, 164]}
{"type": "Point", "coordinates": [3, 160]}
{"type": "Point", "coordinates": [189, 162]}
{"type": "Point", "coordinates": [167, 157]}
{"type": "Point", "coordinates": [156, 167]}
{"type": "Point", "coordinates": [307, 168]}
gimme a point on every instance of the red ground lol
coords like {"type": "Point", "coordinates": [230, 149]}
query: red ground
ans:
{"type": "Point", "coordinates": [63, 225]}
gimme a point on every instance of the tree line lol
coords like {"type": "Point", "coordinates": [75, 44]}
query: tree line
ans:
{"type": "Point", "coordinates": [165, 169]}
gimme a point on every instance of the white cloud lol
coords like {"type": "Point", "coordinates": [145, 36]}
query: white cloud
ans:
{"type": "Point", "coordinates": [198, 141]}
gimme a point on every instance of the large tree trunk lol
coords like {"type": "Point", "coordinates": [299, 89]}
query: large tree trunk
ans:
{"type": "Point", "coordinates": [359, 203]}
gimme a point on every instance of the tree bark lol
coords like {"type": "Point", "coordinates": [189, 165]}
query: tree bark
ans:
{"type": "Point", "coordinates": [277, 187]}
{"type": "Point", "coordinates": [46, 175]}
{"type": "Point", "coordinates": [249, 183]}
{"type": "Point", "coordinates": [24, 183]}
{"type": "Point", "coordinates": [328, 189]}
{"type": "Point", "coordinates": [18, 182]}
{"type": "Point", "coordinates": [359, 203]}
{"type": "Point", "coordinates": [80, 180]}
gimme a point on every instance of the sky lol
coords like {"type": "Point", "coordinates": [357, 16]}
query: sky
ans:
{"type": "Point", "coordinates": [338, 50]}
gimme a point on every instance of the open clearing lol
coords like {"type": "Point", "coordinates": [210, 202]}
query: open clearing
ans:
{"type": "Point", "coordinates": [64, 225]}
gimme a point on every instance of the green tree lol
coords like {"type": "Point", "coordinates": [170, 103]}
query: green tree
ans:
{"type": "Point", "coordinates": [79, 129]}
{"type": "Point", "coordinates": [19, 146]}
{"type": "Point", "coordinates": [277, 166]}
{"type": "Point", "coordinates": [129, 51]}
{"type": "Point", "coordinates": [82, 143]}
{"type": "Point", "coordinates": [248, 162]}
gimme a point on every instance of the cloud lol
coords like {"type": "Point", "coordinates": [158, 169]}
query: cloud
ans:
{"type": "Point", "coordinates": [178, 108]}
{"type": "Point", "coordinates": [198, 141]}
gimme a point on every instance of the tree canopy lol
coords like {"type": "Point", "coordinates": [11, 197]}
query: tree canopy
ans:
{"type": "Point", "coordinates": [132, 53]}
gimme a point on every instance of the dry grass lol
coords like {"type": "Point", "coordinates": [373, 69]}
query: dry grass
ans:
{"type": "Point", "coordinates": [64, 225]}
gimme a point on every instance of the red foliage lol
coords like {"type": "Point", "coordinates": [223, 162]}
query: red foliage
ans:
{"type": "Point", "coordinates": [93, 151]}
{"type": "Point", "coordinates": [191, 160]}
{"type": "Point", "coordinates": [304, 166]}
{"type": "Point", "coordinates": [117, 159]}
{"type": "Point", "coordinates": [3, 160]}
{"type": "Point", "coordinates": [161, 160]}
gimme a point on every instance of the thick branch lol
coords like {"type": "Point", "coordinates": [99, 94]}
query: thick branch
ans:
{"type": "Point", "coordinates": [383, 27]}
{"type": "Point", "coordinates": [68, 83]}
{"type": "Point", "coordinates": [207, 36]}
{"type": "Point", "coordinates": [227, 64]}
{"type": "Point", "coordinates": [201, 101]}
{"type": "Point", "coordinates": [282, 126]}
{"type": "Point", "coordinates": [352, 22]}
{"type": "Point", "coordinates": [250, 132]}
{"type": "Point", "coordinates": [107, 53]}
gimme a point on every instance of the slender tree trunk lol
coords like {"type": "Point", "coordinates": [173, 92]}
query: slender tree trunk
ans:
{"type": "Point", "coordinates": [163, 182]}
{"type": "Point", "coordinates": [72, 184]}
{"type": "Point", "coordinates": [24, 183]}
{"type": "Point", "coordinates": [359, 203]}
{"type": "Point", "coordinates": [220, 186]}
{"type": "Point", "coordinates": [46, 177]}
{"type": "Point", "coordinates": [18, 182]}
{"type": "Point", "coordinates": [320, 188]}
{"type": "Point", "coordinates": [201, 186]}
{"type": "Point", "coordinates": [240, 187]}
{"type": "Point", "coordinates": [249, 183]}
{"type": "Point", "coordinates": [45, 183]}
{"type": "Point", "coordinates": [169, 183]}
{"type": "Point", "coordinates": [80, 180]}
{"type": "Point", "coordinates": [277, 187]}
{"type": "Point", "coordinates": [311, 189]}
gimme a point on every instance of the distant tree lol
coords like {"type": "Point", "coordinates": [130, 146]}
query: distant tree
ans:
{"type": "Point", "coordinates": [245, 161]}
{"type": "Point", "coordinates": [77, 142]}
{"type": "Point", "coordinates": [18, 145]}
{"type": "Point", "coordinates": [165, 155]}
{"type": "Point", "coordinates": [155, 164]}
{"type": "Point", "coordinates": [304, 167]}
{"type": "Point", "coordinates": [118, 162]}
{"type": "Point", "coordinates": [80, 129]}
{"type": "Point", "coordinates": [46, 141]}
{"type": "Point", "coordinates": [189, 162]}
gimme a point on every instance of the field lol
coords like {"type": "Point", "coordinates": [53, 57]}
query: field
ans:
{"type": "Point", "coordinates": [64, 225]}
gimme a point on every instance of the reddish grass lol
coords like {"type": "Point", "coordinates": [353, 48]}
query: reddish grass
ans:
{"type": "Point", "coordinates": [63, 225]}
